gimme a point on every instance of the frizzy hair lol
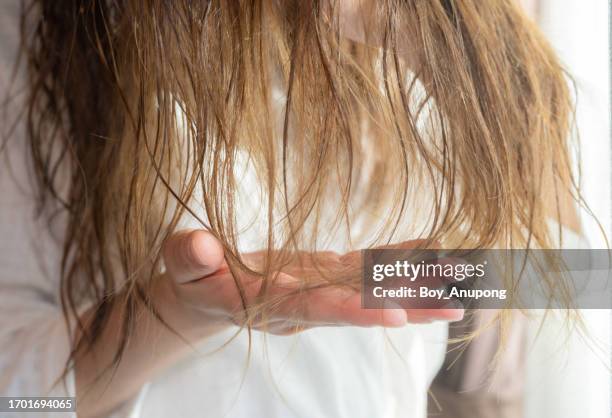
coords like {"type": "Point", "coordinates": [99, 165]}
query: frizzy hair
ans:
{"type": "Point", "coordinates": [150, 103]}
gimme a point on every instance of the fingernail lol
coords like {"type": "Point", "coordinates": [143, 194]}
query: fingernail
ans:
{"type": "Point", "coordinates": [458, 312]}
{"type": "Point", "coordinates": [394, 315]}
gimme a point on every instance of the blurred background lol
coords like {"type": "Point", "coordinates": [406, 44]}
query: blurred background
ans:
{"type": "Point", "coordinates": [550, 369]}
{"type": "Point", "coordinates": [573, 379]}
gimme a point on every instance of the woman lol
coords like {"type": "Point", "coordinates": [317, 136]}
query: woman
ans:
{"type": "Point", "coordinates": [201, 170]}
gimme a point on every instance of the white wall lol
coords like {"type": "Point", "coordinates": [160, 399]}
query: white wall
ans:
{"type": "Point", "coordinates": [568, 378]}
{"type": "Point", "coordinates": [578, 30]}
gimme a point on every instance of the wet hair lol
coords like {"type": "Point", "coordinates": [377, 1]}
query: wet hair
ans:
{"type": "Point", "coordinates": [458, 105]}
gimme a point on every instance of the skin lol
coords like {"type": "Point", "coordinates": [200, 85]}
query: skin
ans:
{"type": "Point", "coordinates": [198, 298]}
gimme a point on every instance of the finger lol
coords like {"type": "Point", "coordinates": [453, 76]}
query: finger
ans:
{"type": "Point", "coordinates": [191, 255]}
{"type": "Point", "coordinates": [290, 304]}
{"type": "Point", "coordinates": [452, 311]}
{"type": "Point", "coordinates": [429, 315]}
{"type": "Point", "coordinates": [329, 305]}
{"type": "Point", "coordinates": [330, 308]}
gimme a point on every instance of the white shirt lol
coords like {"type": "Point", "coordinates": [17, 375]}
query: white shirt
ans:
{"type": "Point", "coordinates": [325, 372]}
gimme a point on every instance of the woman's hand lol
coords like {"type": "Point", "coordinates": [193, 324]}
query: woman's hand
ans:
{"type": "Point", "coordinates": [205, 287]}
{"type": "Point", "coordinates": [197, 298]}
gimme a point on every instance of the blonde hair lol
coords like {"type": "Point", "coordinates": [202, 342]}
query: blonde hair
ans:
{"type": "Point", "coordinates": [149, 103]}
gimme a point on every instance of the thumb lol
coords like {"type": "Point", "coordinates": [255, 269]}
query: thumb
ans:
{"type": "Point", "coordinates": [191, 255]}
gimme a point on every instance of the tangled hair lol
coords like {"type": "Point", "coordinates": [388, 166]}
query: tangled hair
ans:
{"type": "Point", "coordinates": [458, 105]}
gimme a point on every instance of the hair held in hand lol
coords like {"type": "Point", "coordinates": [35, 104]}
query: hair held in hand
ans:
{"type": "Point", "coordinates": [458, 105]}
